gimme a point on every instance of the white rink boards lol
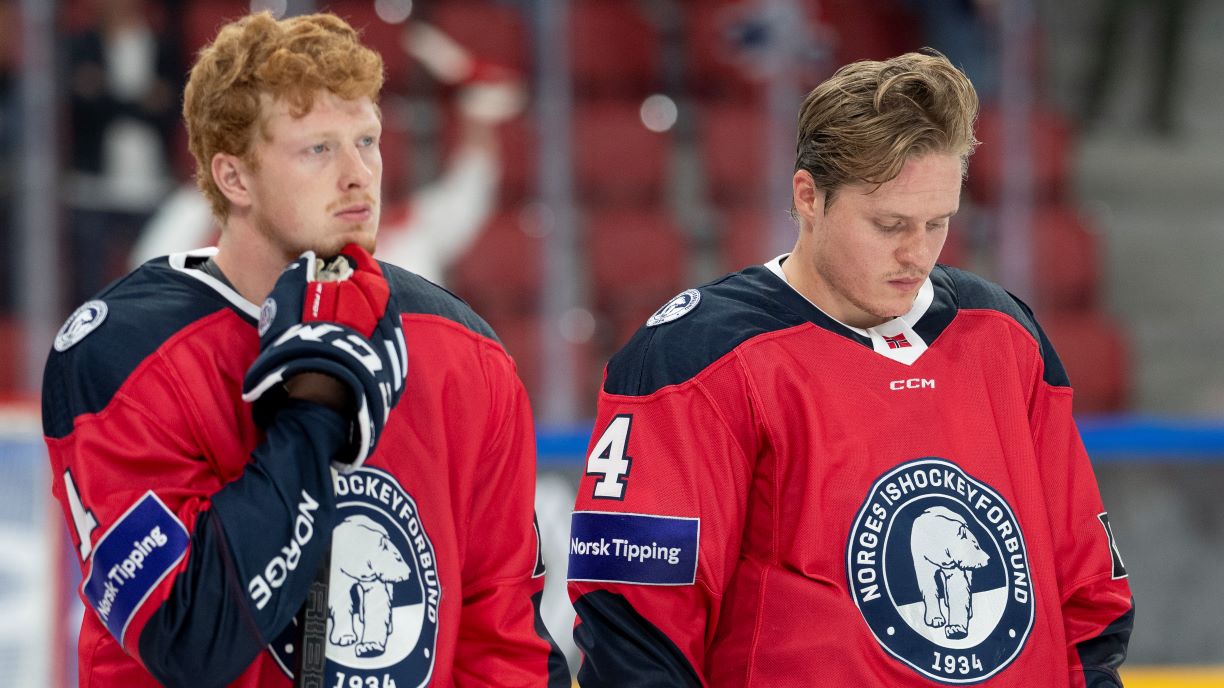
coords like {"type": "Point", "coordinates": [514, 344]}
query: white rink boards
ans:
{"type": "Point", "coordinates": [29, 542]}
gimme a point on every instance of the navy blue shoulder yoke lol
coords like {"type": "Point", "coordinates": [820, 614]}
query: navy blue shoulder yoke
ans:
{"type": "Point", "coordinates": [755, 301]}
{"type": "Point", "coordinates": [143, 310]}
{"type": "Point", "coordinates": [730, 311]}
{"type": "Point", "coordinates": [973, 292]}
{"type": "Point", "coordinates": [416, 294]}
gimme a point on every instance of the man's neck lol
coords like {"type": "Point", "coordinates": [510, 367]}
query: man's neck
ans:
{"type": "Point", "coordinates": [249, 261]}
{"type": "Point", "coordinates": [800, 273]}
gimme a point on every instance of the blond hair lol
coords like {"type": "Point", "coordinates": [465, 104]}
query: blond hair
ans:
{"type": "Point", "coordinates": [291, 60]}
{"type": "Point", "coordinates": [865, 121]}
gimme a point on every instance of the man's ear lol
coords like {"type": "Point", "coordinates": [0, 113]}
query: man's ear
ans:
{"type": "Point", "coordinates": [231, 174]}
{"type": "Point", "coordinates": [807, 198]}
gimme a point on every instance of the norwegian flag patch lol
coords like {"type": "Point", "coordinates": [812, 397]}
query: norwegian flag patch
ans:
{"type": "Point", "coordinates": [897, 342]}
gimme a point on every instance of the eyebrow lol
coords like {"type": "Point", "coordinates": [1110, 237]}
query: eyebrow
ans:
{"type": "Point", "coordinates": [903, 216]}
{"type": "Point", "coordinates": [303, 135]}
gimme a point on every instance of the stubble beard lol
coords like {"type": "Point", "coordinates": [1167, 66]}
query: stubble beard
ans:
{"type": "Point", "coordinates": [362, 235]}
{"type": "Point", "coordinates": [845, 288]}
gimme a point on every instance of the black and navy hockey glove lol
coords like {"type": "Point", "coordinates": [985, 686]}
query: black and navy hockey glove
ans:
{"type": "Point", "coordinates": [339, 319]}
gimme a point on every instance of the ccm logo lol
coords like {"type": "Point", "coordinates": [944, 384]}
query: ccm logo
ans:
{"type": "Point", "coordinates": [912, 383]}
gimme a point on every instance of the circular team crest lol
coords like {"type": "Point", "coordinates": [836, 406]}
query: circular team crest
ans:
{"type": "Point", "coordinates": [938, 567]}
{"type": "Point", "coordinates": [266, 315]}
{"type": "Point", "coordinates": [83, 320]}
{"type": "Point", "coordinates": [382, 607]}
{"type": "Point", "coordinates": [678, 307]}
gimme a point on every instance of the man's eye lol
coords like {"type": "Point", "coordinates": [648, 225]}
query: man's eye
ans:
{"type": "Point", "coordinates": [319, 148]}
{"type": "Point", "coordinates": [368, 141]}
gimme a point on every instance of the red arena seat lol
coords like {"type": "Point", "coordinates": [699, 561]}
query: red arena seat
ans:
{"type": "Point", "coordinates": [382, 36]}
{"type": "Point", "coordinates": [744, 238]}
{"type": "Point", "coordinates": [501, 271]}
{"type": "Point", "coordinates": [201, 21]}
{"type": "Point", "coordinates": [1049, 134]}
{"type": "Point", "coordinates": [730, 139]}
{"type": "Point", "coordinates": [715, 67]}
{"type": "Point", "coordinates": [1094, 351]}
{"type": "Point", "coordinates": [521, 336]}
{"type": "Point", "coordinates": [1066, 259]}
{"type": "Point", "coordinates": [869, 30]}
{"type": "Point", "coordinates": [616, 158]}
{"type": "Point", "coordinates": [638, 260]}
{"type": "Point", "coordinates": [613, 49]}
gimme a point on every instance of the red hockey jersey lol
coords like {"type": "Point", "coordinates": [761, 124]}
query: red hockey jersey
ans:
{"type": "Point", "coordinates": [773, 498]}
{"type": "Point", "coordinates": [199, 534]}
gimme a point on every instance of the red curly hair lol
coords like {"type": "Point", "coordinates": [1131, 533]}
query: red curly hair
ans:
{"type": "Point", "coordinates": [290, 59]}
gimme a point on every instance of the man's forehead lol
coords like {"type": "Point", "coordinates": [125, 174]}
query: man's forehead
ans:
{"type": "Point", "coordinates": [904, 201]}
{"type": "Point", "coordinates": [301, 105]}
{"type": "Point", "coordinates": [286, 116]}
{"type": "Point", "coordinates": [902, 204]}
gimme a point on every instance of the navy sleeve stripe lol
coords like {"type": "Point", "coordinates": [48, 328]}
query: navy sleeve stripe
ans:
{"type": "Point", "coordinates": [221, 612]}
{"type": "Point", "coordinates": [1101, 656]}
{"type": "Point", "coordinates": [621, 648]}
{"type": "Point", "coordinates": [558, 668]}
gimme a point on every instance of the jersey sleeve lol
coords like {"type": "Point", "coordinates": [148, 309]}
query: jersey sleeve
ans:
{"type": "Point", "coordinates": [502, 633]}
{"type": "Point", "coordinates": [189, 572]}
{"type": "Point", "coordinates": [656, 529]}
{"type": "Point", "coordinates": [1098, 610]}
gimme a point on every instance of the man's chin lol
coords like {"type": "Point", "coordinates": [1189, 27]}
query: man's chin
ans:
{"type": "Point", "coordinates": [363, 238]}
{"type": "Point", "coordinates": [890, 311]}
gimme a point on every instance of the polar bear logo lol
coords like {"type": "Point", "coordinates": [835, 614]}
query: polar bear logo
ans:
{"type": "Point", "coordinates": [945, 553]}
{"type": "Point", "coordinates": [365, 564]}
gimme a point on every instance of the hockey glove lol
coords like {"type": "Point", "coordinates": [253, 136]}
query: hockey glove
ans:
{"type": "Point", "coordinates": [336, 318]}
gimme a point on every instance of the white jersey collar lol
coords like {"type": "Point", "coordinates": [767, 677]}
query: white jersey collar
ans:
{"type": "Point", "coordinates": [178, 261]}
{"type": "Point", "coordinates": [895, 339]}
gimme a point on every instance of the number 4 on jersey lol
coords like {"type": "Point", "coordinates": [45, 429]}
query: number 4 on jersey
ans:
{"type": "Point", "coordinates": [82, 518]}
{"type": "Point", "coordinates": [608, 459]}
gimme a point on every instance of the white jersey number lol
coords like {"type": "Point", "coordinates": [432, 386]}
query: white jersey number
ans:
{"type": "Point", "coordinates": [608, 459]}
{"type": "Point", "coordinates": [82, 519]}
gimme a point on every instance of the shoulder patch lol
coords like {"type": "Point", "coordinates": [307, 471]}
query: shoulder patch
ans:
{"type": "Point", "coordinates": [97, 350]}
{"type": "Point", "coordinates": [681, 305]}
{"type": "Point", "coordinates": [83, 320]}
{"type": "Point", "coordinates": [267, 313]}
{"type": "Point", "coordinates": [138, 551]}
{"type": "Point", "coordinates": [633, 548]}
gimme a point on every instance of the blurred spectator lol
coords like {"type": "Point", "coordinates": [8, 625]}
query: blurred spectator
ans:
{"type": "Point", "coordinates": [965, 32]}
{"type": "Point", "coordinates": [10, 47]}
{"type": "Point", "coordinates": [427, 232]}
{"type": "Point", "coordinates": [123, 77]}
{"type": "Point", "coordinates": [441, 220]}
{"type": "Point", "coordinates": [1168, 20]}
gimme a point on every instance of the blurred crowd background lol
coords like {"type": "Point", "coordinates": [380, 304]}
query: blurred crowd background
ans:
{"type": "Point", "coordinates": [566, 166]}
